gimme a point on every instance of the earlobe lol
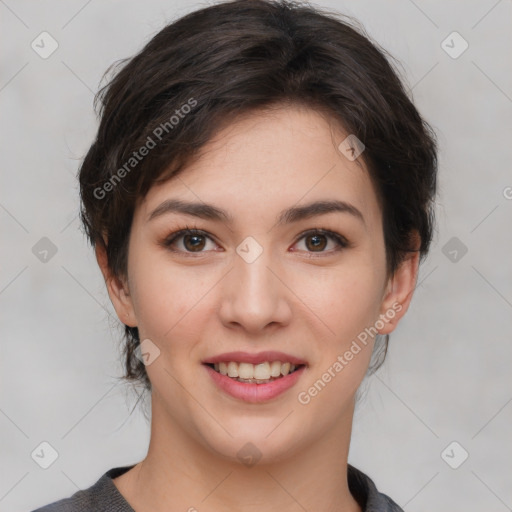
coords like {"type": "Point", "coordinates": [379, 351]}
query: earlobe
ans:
{"type": "Point", "coordinates": [117, 289]}
{"type": "Point", "coordinates": [399, 292]}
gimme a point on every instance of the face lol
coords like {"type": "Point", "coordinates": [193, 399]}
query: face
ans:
{"type": "Point", "coordinates": [311, 284]}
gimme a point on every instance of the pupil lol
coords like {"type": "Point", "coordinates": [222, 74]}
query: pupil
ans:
{"type": "Point", "coordinates": [197, 238]}
{"type": "Point", "coordinates": [316, 244]}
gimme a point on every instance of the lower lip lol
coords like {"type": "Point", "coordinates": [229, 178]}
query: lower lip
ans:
{"type": "Point", "coordinates": [255, 393]}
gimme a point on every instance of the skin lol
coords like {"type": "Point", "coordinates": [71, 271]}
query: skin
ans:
{"type": "Point", "coordinates": [310, 301]}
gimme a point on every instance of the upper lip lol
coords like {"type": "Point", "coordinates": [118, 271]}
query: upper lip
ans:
{"type": "Point", "coordinates": [256, 358]}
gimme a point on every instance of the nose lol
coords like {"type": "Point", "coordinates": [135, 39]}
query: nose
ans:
{"type": "Point", "coordinates": [255, 297]}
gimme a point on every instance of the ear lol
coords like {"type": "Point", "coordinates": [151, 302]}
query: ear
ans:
{"type": "Point", "coordinates": [399, 291]}
{"type": "Point", "coordinates": [117, 288]}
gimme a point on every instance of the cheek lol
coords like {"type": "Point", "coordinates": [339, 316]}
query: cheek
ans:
{"type": "Point", "coordinates": [346, 305]}
{"type": "Point", "coordinates": [345, 299]}
{"type": "Point", "coordinates": [168, 299]}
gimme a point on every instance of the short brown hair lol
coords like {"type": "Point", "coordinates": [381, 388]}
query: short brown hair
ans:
{"type": "Point", "coordinates": [222, 61]}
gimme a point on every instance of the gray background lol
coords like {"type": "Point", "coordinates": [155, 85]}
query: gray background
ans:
{"type": "Point", "coordinates": [447, 375]}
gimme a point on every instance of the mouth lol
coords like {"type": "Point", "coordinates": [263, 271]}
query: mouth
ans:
{"type": "Point", "coordinates": [269, 380]}
{"type": "Point", "coordinates": [255, 377]}
{"type": "Point", "coordinates": [261, 373]}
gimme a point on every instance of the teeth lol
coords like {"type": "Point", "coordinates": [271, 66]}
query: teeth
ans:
{"type": "Point", "coordinates": [275, 368]}
{"type": "Point", "coordinates": [246, 370]}
{"type": "Point", "coordinates": [223, 368]}
{"type": "Point", "coordinates": [285, 368]}
{"type": "Point", "coordinates": [261, 371]}
{"type": "Point", "coordinates": [232, 369]}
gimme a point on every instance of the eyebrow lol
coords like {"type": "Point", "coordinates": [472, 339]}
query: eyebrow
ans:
{"type": "Point", "coordinates": [293, 214]}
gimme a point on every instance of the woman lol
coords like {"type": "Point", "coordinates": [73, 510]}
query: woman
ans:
{"type": "Point", "coordinates": [259, 197]}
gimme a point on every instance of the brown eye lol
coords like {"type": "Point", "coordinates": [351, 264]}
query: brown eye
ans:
{"type": "Point", "coordinates": [317, 240]}
{"type": "Point", "coordinates": [192, 241]}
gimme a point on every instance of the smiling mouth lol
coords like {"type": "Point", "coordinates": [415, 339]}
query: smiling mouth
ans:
{"type": "Point", "coordinates": [262, 373]}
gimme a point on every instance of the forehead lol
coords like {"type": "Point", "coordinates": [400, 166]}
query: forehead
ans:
{"type": "Point", "coordinates": [268, 160]}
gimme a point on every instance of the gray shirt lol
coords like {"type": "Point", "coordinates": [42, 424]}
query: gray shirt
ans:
{"type": "Point", "coordinates": [103, 496]}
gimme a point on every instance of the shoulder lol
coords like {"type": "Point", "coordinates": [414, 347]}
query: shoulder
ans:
{"type": "Point", "coordinates": [81, 501]}
{"type": "Point", "coordinates": [102, 496]}
{"type": "Point", "coordinates": [366, 493]}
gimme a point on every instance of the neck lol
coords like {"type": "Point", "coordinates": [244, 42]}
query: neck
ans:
{"type": "Point", "coordinates": [179, 473]}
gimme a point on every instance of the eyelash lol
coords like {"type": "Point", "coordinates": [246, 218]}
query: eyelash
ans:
{"type": "Point", "coordinates": [340, 240]}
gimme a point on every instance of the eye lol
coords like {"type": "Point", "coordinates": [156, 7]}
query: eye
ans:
{"type": "Point", "coordinates": [192, 240]}
{"type": "Point", "coordinates": [317, 239]}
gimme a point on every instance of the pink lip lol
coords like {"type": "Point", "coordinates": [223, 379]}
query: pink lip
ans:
{"type": "Point", "coordinates": [260, 357]}
{"type": "Point", "coordinates": [254, 393]}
